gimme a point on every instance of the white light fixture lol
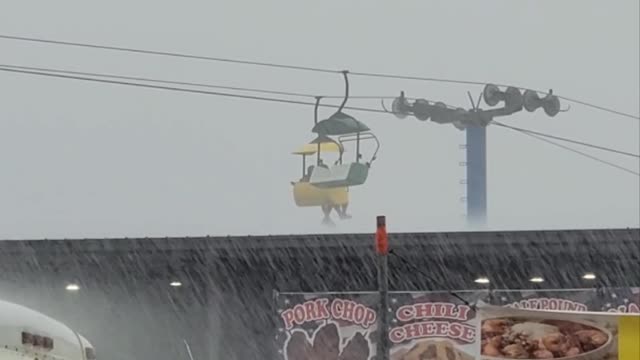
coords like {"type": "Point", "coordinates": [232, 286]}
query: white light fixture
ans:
{"type": "Point", "coordinates": [175, 284]}
{"type": "Point", "coordinates": [536, 279]}
{"type": "Point", "coordinates": [72, 287]}
{"type": "Point", "coordinates": [589, 276]}
{"type": "Point", "coordinates": [482, 280]}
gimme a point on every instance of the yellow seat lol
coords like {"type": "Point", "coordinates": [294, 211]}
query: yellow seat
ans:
{"type": "Point", "coordinates": [306, 194]}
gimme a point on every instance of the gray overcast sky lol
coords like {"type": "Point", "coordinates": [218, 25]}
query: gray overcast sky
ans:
{"type": "Point", "coordinates": [86, 160]}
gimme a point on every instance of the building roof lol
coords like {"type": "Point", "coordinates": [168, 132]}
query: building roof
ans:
{"type": "Point", "coordinates": [459, 242]}
{"type": "Point", "coordinates": [293, 262]}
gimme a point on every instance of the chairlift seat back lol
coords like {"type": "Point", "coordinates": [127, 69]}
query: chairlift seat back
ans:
{"type": "Point", "coordinates": [352, 174]}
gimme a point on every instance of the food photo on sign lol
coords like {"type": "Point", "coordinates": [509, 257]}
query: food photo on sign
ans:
{"type": "Point", "coordinates": [327, 326]}
{"type": "Point", "coordinates": [511, 333]}
{"type": "Point", "coordinates": [433, 325]}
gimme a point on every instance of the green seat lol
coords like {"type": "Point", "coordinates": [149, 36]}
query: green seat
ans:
{"type": "Point", "coordinates": [343, 175]}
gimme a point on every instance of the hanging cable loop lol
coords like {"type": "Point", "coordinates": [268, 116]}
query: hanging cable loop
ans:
{"type": "Point", "coordinates": [315, 110]}
{"type": "Point", "coordinates": [346, 90]}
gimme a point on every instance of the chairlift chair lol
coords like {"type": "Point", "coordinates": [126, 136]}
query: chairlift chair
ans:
{"type": "Point", "coordinates": [344, 174]}
{"type": "Point", "coordinates": [328, 186]}
{"type": "Point", "coordinates": [306, 194]}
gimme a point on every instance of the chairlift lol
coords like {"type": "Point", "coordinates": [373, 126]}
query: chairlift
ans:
{"type": "Point", "coordinates": [347, 129]}
{"type": "Point", "coordinates": [328, 186]}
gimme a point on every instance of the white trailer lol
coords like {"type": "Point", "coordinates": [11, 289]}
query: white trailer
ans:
{"type": "Point", "coordinates": [26, 334]}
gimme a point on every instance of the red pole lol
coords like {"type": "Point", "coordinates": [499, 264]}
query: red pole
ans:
{"type": "Point", "coordinates": [382, 240]}
{"type": "Point", "coordinates": [382, 249]}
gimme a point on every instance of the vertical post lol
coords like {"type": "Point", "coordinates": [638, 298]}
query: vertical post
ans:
{"type": "Point", "coordinates": [476, 176]}
{"type": "Point", "coordinates": [304, 165]}
{"type": "Point", "coordinates": [382, 251]}
{"type": "Point", "coordinates": [358, 147]}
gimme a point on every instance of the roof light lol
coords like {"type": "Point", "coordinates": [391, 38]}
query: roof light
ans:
{"type": "Point", "coordinates": [175, 284]}
{"type": "Point", "coordinates": [72, 287]}
{"type": "Point", "coordinates": [482, 280]}
{"type": "Point", "coordinates": [536, 279]}
{"type": "Point", "coordinates": [589, 276]}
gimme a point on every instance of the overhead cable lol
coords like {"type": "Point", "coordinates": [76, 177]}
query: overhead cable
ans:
{"type": "Point", "coordinates": [589, 156]}
{"type": "Point", "coordinates": [603, 148]}
{"type": "Point", "coordinates": [166, 53]}
{"type": "Point", "coordinates": [194, 91]}
{"type": "Point", "coordinates": [288, 101]}
{"type": "Point", "coordinates": [184, 83]}
{"type": "Point", "coordinates": [429, 277]}
{"type": "Point", "coordinates": [291, 67]}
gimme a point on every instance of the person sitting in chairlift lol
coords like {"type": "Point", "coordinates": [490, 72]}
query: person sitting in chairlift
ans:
{"type": "Point", "coordinates": [342, 211]}
{"type": "Point", "coordinates": [307, 176]}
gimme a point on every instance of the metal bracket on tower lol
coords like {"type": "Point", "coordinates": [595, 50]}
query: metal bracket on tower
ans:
{"type": "Point", "coordinates": [474, 122]}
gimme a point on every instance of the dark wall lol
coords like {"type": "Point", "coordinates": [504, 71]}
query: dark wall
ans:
{"type": "Point", "coordinates": [224, 310]}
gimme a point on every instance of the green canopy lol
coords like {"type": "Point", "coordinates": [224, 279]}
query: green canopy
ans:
{"type": "Point", "coordinates": [339, 124]}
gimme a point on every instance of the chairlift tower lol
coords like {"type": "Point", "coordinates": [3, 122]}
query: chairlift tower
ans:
{"type": "Point", "coordinates": [474, 123]}
{"type": "Point", "coordinates": [476, 176]}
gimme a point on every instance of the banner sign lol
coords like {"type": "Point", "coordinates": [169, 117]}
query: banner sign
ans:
{"type": "Point", "coordinates": [570, 300]}
{"type": "Point", "coordinates": [427, 325]}
{"type": "Point", "coordinates": [432, 325]}
{"type": "Point", "coordinates": [624, 300]}
{"type": "Point", "coordinates": [327, 326]}
{"type": "Point", "coordinates": [608, 300]}
{"type": "Point", "coordinates": [514, 333]}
